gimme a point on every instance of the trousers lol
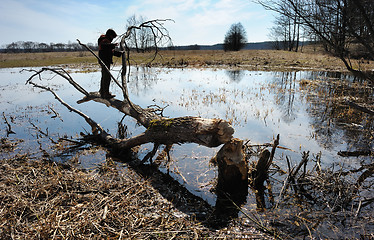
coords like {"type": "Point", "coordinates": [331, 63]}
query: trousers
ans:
{"type": "Point", "coordinates": [105, 81]}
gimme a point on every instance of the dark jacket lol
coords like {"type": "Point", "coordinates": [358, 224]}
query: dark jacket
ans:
{"type": "Point", "coordinates": [107, 50]}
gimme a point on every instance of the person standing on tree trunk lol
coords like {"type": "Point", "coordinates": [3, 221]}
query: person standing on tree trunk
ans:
{"type": "Point", "coordinates": [106, 52]}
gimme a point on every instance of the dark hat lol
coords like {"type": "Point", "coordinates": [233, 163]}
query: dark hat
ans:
{"type": "Point", "coordinates": [111, 32]}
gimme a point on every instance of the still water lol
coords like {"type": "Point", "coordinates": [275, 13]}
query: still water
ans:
{"type": "Point", "coordinates": [301, 107]}
{"type": "Point", "coordinates": [259, 104]}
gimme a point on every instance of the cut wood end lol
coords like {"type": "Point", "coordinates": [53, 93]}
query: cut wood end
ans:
{"type": "Point", "coordinates": [231, 160]}
{"type": "Point", "coordinates": [225, 131]}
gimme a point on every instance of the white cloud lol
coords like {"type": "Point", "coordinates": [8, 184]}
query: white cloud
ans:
{"type": "Point", "coordinates": [55, 21]}
{"type": "Point", "coordinates": [196, 21]}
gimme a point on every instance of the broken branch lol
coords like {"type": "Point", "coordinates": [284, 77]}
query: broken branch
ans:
{"type": "Point", "coordinates": [9, 130]}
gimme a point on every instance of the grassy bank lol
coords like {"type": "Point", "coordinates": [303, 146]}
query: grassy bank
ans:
{"type": "Point", "coordinates": [9, 60]}
{"type": "Point", "coordinates": [267, 60]}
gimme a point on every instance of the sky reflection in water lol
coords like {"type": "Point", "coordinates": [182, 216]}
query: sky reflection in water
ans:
{"type": "Point", "coordinates": [259, 104]}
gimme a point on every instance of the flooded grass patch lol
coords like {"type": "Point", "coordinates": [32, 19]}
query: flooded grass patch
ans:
{"type": "Point", "coordinates": [306, 108]}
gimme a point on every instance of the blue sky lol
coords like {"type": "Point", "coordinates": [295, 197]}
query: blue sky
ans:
{"type": "Point", "coordinates": [195, 21]}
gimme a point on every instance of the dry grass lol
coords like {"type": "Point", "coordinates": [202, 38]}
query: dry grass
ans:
{"type": "Point", "coordinates": [267, 60]}
{"type": "Point", "coordinates": [46, 200]}
{"type": "Point", "coordinates": [251, 60]}
{"type": "Point", "coordinates": [8, 60]}
{"type": "Point", "coordinates": [41, 199]}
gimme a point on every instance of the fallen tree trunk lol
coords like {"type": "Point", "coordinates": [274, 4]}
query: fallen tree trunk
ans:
{"type": "Point", "coordinates": [167, 131]}
{"type": "Point", "coordinates": [160, 130]}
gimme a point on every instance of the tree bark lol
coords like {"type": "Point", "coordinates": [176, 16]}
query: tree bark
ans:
{"type": "Point", "coordinates": [232, 167]}
{"type": "Point", "coordinates": [161, 130]}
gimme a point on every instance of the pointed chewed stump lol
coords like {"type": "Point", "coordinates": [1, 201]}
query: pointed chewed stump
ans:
{"type": "Point", "coordinates": [232, 167]}
{"type": "Point", "coordinates": [232, 185]}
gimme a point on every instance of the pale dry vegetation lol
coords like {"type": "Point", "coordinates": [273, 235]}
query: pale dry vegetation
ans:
{"type": "Point", "coordinates": [41, 199]}
{"type": "Point", "coordinates": [310, 58]}
{"type": "Point", "coordinates": [45, 59]}
{"type": "Point", "coordinates": [253, 60]}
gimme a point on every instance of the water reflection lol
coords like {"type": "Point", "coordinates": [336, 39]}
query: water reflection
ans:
{"type": "Point", "coordinates": [333, 120]}
{"type": "Point", "coordinates": [307, 109]}
{"type": "Point", "coordinates": [286, 85]}
{"type": "Point", "coordinates": [235, 75]}
{"type": "Point", "coordinates": [142, 80]}
{"type": "Point", "coordinates": [332, 123]}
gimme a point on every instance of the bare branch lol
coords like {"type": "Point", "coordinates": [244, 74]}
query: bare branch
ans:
{"type": "Point", "coordinates": [159, 34]}
{"type": "Point", "coordinates": [360, 108]}
{"type": "Point", "coordinates": [61, 72]}
{"type": "Point", "coordinates": [96, 128]}
{"type": "Point", "coordinates": [9, 130]}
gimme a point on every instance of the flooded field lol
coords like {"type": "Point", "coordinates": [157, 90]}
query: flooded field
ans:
{"type": "Point", "coordinates": [307, 109]}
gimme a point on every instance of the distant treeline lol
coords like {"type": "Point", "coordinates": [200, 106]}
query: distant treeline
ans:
{"type": "Point", "coordinates": [257, 46]}
{"type": "Point", "coordinates": [28, 47]}
{"type": "Point", "coordinates": [249, 46]}
{"type": "Point", "coordinates": [32, 47]}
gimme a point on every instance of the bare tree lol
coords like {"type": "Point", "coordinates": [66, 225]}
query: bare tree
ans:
{"type": "Point", "coordinates": [286, 33]}
{"type": "Point", "coordinates": [235, 38]}
{"type": "Point", "coordinates": [13, 47]}
{"type": "Point", "coordinates": [342, 25]}
{"type": "Point", "coordinates": [28, 46]}
{"type": "Point", "coordinates": [43, 47]}
{"type": "Point", "coordinates": [140, 39]}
